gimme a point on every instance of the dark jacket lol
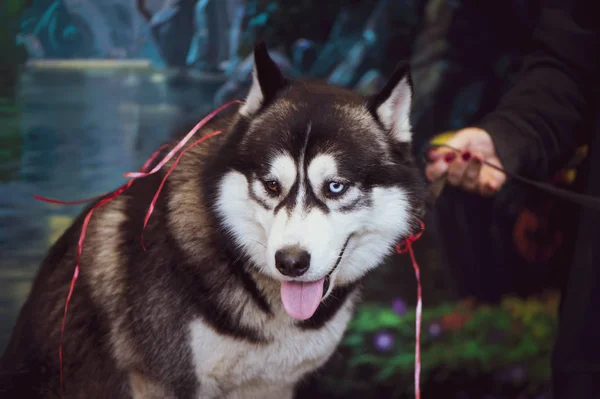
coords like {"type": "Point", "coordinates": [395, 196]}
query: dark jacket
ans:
{"type": "Point", "coordinates": [552, 108]}
{"type": "Point", "coordinates": [468, 54]}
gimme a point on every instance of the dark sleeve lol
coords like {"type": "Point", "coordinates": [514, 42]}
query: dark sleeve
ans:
{"type": "Point", "coordinates": [536, 123]}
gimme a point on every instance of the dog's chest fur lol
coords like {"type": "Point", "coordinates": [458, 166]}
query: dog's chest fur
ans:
{"type": "Point", "coordinates": [230, 367]}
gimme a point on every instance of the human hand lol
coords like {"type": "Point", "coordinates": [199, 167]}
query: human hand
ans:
{"type": "Point", "coordinates": [467, 170]}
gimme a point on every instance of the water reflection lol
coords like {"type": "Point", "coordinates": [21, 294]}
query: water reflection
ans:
{"type": "Point", "coordinates": [72, 136]}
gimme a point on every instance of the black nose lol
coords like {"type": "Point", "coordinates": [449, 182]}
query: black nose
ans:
{"type": "Point", "coordinates": [292, 261]}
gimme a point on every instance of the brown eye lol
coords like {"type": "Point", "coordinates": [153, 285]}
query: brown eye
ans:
{"type": "Point", "coordinates": [272, 186]}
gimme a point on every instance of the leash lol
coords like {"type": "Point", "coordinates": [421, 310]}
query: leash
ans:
{"type": "Point", "coordinates": [571, 196]}
{"type": "Point", "coordinates": [406, 245]}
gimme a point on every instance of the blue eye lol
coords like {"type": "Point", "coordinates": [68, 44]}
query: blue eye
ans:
{"type": "Point", "coordinates": [336, 188]}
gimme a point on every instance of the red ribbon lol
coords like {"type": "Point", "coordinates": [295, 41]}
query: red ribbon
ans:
{"type": "Point", "coordinates": [105, 198]}
{"type": "Point", "coordinates": [162, 183]}
{"type": "Point", "coordinates": [402, 248]}
{"type": "Point", "coordinates": [183, 141]}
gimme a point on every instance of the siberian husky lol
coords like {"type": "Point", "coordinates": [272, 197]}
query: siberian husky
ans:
{"type": "Point", "coordinates": [255, 252]}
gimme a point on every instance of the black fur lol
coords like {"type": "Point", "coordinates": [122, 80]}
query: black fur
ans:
{"type": "Point", "coordinates": [402, 71]}
{"type": "Point", "coordinates": [270, 77]}
{"type": "Point", "coordinates": [167, 287]}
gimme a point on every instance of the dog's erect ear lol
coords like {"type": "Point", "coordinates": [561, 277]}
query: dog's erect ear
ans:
{"type": "Point", "coordinates": [267, 80]}
{"type": "Point", "coordinates": [393, 103]}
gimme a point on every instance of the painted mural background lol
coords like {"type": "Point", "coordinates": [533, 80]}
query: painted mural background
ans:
{"type": "Point", "coordinates": [134, 70]}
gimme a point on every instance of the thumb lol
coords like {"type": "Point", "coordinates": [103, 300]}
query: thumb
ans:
{"type": "Point", "coordinates": [436, 169]}
{"type": "Point", "coordinates": [460, 140]}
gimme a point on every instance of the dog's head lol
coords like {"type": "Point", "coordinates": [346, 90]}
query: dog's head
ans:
{"type": "Point", "coordinates": [320, 182]}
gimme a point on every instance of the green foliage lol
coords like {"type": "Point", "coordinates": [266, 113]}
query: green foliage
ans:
{"type": "Point", "coordinates": [13, 55]}
{"type": "Point", "coordinates": [461, 337]}
{"type": "Point", "coordinates": [14, 8]}
{"type": "Point", "coordinates": [10, 140]}
{"type": "Point", "coordinates": [10, 13]}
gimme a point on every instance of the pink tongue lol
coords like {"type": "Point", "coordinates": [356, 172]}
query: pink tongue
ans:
{"type": "Point", "coordinates": [301, 300]}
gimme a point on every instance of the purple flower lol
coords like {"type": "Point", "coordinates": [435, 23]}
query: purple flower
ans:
{"type": "Point", "coordinates": [518, 374]}
{"type": "Point", "coordinates": [435, 329]}
{"type": "Point", "coordinates": [399, 306]}
{"type": "Point", "coordinates": [383, 341]}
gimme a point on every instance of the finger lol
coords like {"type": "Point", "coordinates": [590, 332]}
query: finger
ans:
{"type": "Point", "coordinates": [491, 181]}
{"type": "Point", "coordinates": [470, 181]}
{"type": "Point", "coordinates": [435, 170]}
{"type": "Point", "coordinates": [495, 178]}
{"type": "Point", "coordinates": [457, 168]}
{"type": "Point", "coordinates": [436, 153]}
{"type": "Point", "coordinates": [432, 155]}
{"type": "Point", "coordinates": [487, 189]}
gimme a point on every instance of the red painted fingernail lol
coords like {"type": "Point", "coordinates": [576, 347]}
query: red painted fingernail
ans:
{"type": "Point", "coordinates": [449, 157]}
{"type": "Point", "coordinates": [478, 160]}
{"type": "Point", "coordinates": [492, 187]}
{"type": "Point", "coordinates": [466, 156]}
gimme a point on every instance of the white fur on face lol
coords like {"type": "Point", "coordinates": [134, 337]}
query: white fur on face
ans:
{"type": "Point", "coordinates": [248, 221]}
{"type": "Point", "coordinates": [386, 220]}
{"type": "Point", "coordinates": [374, 227]}
{"type": "Point", "coordinates": [243, 217]}
{"type": "Point", "coordinates": [394, 112]}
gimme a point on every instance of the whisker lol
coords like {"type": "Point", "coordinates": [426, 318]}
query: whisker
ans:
{"type": "Point", "coordinates": [333, 296]}
{"type": "Point", "coordinates": [258, 242]}
{"type": "Point", "coordinates": [237, 259]}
